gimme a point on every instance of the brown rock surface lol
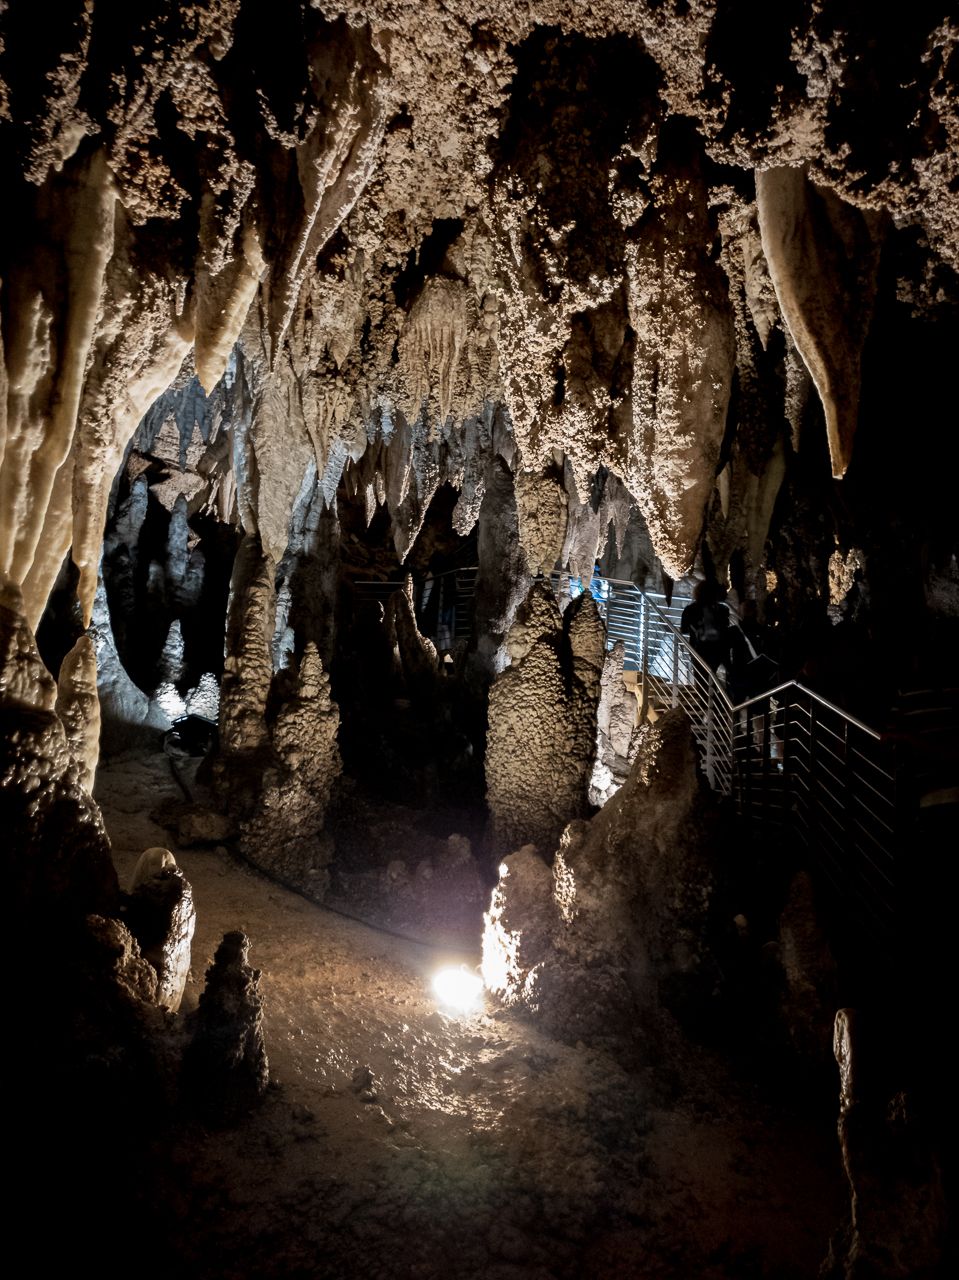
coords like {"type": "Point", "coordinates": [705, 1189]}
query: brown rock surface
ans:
{"type": "Point", "coordinates": [620, 926]}
{"type": "Point", "coordinates": [542, 715]}
{"type": "Point", "coordinates": [225, 1068]}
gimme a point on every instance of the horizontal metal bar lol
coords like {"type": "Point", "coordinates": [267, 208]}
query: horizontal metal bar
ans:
{"type": "Point", "coordinates": [809, 693]}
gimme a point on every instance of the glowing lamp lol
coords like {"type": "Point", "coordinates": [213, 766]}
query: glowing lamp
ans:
{"type": "Point", "coordinates": [458, 989]}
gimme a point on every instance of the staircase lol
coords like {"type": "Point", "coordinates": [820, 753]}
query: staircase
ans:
{"type": "Point", "coordinates": [791, 762]}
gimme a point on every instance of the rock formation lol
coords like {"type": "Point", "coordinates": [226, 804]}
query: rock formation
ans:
{"type": "Point", "coordinates": [898, 1216]}
{"type": "Point", "coordinates": [294, 776]}
{"type": "Point", "coordinates": [161, 916]}
{"type": "Point", "coordinates": [619, 926]}
{"type": "Point", "coordinates": [616, 729]}
{"type": "Point", "coordinates": [78, 707]}
{"type": "Point", "coordinates": [225, 1068]}
{"type": "Point", "coordinates": [57, 856]}
{"type": "Point", "coordinates": [542, 715]}
{"type": "Point", "coordinates": [414, 284]}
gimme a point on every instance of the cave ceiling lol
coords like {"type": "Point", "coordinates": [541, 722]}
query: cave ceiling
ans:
{"type": "Point", "coordinates": [637, 250]}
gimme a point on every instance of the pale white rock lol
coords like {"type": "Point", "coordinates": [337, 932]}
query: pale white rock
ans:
{"type": "Point", "coordinates": [78, 707]}
{"type": "Point", "coordinates": [823, 257]}
{"type": "Point", "coordinates": [150, 863]}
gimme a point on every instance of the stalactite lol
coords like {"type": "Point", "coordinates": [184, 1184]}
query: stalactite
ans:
{"type": "Point", "coordinates": [56, 309]}
{"type": "Point", "coordinates": [683, 367]}
{"type": "Point", "coordinates": [823, 257]}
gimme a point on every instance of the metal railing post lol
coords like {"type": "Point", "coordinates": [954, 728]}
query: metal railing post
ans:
{"type": "Point", "coordinates": [849, 786]}
{"type": "Point", "coordinates": [644, 653]}
{"type": "Point", "coordinates": [675, 672]}
{"type": "Point", "coordinates": [815, 803]}
{"type": "Point", "coordinates": [710, 734]}
{"type": "Point", "coordinates": [786, 760]}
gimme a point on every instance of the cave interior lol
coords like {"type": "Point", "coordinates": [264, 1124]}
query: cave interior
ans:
{"type": "Point", "coordinates": [384, 388]}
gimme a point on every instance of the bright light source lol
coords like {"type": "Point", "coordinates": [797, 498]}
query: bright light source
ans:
{"type": "Point", "coordinates": [458, 989]}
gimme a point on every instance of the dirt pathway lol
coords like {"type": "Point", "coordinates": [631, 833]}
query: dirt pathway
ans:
{"type": "Point", "coordinates": [401, 1142]}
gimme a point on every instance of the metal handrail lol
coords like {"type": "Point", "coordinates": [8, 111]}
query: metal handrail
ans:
{"type": "Point", "coordinates": [786, 756]}
{"type": "Point", "coordinates": [456, 598]}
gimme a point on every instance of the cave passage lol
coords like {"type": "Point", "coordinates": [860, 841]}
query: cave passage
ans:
{"type": "Point", "coordinates": [477, 494]}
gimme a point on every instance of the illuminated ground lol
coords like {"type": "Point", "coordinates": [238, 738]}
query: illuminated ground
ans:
{"type": "Point", "coordinates": [490, 1150]}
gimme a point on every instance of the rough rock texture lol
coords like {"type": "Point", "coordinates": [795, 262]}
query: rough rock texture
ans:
{"type": "Point", "coordinates": [616, 268]}
{"type": "Point", "coordinates": [282, 835]}
{"type": "Point", "coordinates": [249, 665]}
{"type": "Point", "coordinates": [542, 717]}
{"type": "Point", "coordinates": [684, 360]}
{"type": "Point", "coordinates": [616, 729]}
{"type": "Point", "coordinates": [161, 916]}
{"type": "Point", "coordinates": [56, 853]}
{"type": "Point", "coordinates": [898, 1217]}
{"type": "Point", "coordinates": [398, 230]}
{"type": "Point", "coordinates": [114, 1052]}
{"type": "Point", "coordinates": [225, 1068]}
{"type": "Point", "coordinates": [78, 706]}
{"type": "Point", "coordinates": [620, 926]}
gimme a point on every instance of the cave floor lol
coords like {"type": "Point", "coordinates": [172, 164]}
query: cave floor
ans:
{"type": "Point", "coordinates": [491, 1150]}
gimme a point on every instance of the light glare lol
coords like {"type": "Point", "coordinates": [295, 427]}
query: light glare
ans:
{"type": "Point", "coordinates": [458, 989]}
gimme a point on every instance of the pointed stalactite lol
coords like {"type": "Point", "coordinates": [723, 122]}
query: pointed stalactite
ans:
{"type": "Point", "coordinates": [823, 257]}
{"type": "Point", "coordinates": [683, 363]}
{"type": "Point", "coordinates": [56, 299]}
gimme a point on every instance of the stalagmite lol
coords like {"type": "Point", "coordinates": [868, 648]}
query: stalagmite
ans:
{"type": "Point", "coordinates": [161, 916]}
{"type": "Point", "coordinates": [126, 713]}
{"type": "Point", "coordinates": [542, 722]}
{"type": "Point", "coordinates": [620, 926]}
{"type": "Point", "coordinates": [282, 832]}
{"type": "Point", "coordinates": [57, 855]}
{"type": "Point", "coordinates": [616, 729]}
{"type": "Point", "coordinates": [225, 1068]}
{"type": "Point", "coordinates": [78, 706]}
{"type": "Point", "coordinates": [301, 299]}
{"type": "Point", "coordinates": [416, 653]}
{"type": "Point", "coordinates": [248, 669]}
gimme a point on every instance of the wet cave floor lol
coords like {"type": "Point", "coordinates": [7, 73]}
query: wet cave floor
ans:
{"type": "Point", "coordinates": [396, 1141]}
